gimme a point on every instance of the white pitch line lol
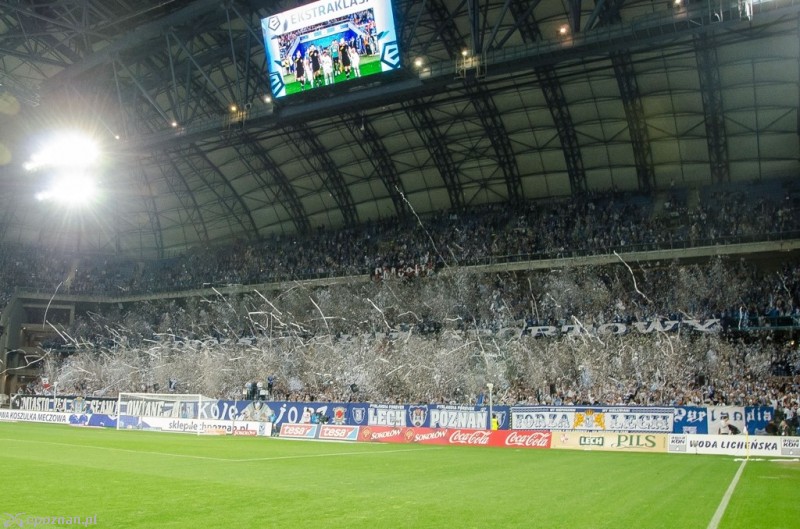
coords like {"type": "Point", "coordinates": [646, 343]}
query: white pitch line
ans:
{"type": "Point", "coordinates": [723, 504]}
{"type": "Point", "coordinates": [224, 459]}
{"type": "Point", "coordinates": [274, 458]}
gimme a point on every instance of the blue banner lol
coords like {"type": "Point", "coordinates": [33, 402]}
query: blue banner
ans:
{"type": "Point", "coordinates": [690, 419]}
{"type": "Point", "coordinates": [757, 417]}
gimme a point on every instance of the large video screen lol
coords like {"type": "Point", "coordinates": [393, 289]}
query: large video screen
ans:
{"type": "Point", "coordinates": [329, 42]}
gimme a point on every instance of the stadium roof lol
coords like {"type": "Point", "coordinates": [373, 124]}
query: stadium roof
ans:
{"type": "Point", "coordinates": [512, 100]}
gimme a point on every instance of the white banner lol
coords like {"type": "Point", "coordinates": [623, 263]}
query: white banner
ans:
{"type": "Point", "coordinates": [590, 418]}
{"type": "Point", "coordinates": [734, 445]}
{"type": "Point", "coordinates": [52, 417]}
{"type": "Point", "coordinates": [168, 424]}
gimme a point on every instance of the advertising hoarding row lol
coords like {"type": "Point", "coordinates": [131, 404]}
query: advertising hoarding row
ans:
{"type": "Point", "coordinates": [418, 435]}
{"type": "Point", "coordinates": [704, 444]}
{"type": "Point", "coordinates": [638, 419]}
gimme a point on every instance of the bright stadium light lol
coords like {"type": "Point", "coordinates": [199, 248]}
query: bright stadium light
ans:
{"type": "Point", "coordinates": [66, 150]}
{"type": "Point", "coordinates": [70, 190]}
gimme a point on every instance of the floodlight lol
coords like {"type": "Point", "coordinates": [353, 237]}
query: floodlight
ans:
{"type": "Point", "coordinates": [70, 190]}
{"type": "Point", "coordinates": [67, 150]}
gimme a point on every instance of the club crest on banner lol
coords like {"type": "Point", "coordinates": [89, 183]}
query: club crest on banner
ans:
{"type": "Point", "coordinates": [417, 415]}
{"type": "Point", "coordinates": [501, 418]}
{"type": "Point", "coordinates": [339, 415]}
{"type": "Point", "coordinates": [359, 414]}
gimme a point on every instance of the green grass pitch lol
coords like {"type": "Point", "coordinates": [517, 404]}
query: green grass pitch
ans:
{"type": "Point", "coordinates": [158, 480]}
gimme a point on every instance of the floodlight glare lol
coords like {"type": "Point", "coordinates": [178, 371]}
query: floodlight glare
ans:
{"type": "Point", "coordinates": [70, 150]}
{"type": "Point", "coordinates": [70, 190]}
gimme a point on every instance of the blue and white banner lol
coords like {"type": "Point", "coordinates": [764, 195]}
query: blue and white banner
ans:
{"type": "Point", "coordinates": [92, 411]}
{"type": "Point", "coordinates": [690, 419]}
{"type": "Point", "coordinates": [53, 417]}
{"type": "Point", "coordinates": [592, 418]}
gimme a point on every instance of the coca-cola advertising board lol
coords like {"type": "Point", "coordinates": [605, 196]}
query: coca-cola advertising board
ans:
{"type": "Point", "coordinates": [456, 437]}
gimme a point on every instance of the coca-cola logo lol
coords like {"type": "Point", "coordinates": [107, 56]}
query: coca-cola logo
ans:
{"type": "Point", "coordinates": [533, 439]}
{"type": "Point", "coordinates": [474, 437]}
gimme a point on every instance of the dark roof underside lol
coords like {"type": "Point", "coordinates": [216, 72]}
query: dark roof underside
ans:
{"type": "Point", "coordinates": [633, 96]}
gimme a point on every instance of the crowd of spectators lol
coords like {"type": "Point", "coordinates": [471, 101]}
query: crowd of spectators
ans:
{"type": "Point", "coordinates": [494, 233]}
{"type": "Point", "coordinates": [741, 295]}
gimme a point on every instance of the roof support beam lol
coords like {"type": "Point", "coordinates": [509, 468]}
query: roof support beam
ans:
{"type": "Point", "coordinates": [152, 212]}
{"type": "Point", "coordinates": [139, 37]}
{"type": "Point", "coordinates": [556, 101]}
{"type": "Point", "coordinates": [523, 14]}
{"type": "Point", "coordinates": [421, 116]}
{"type": "Point", "coordinates": [185, 195]}
{"type": "Point", "coordinates": [495, 129]}
{"type": "Point", "coordinates": [135, 78]}
{"type": "Point", "coordinates": [574, 15]}
{"type": "Point", "coordinates": [367, 137]}
{"type": "Point", "coordinates": [622, 63]}
{"type": "Point", "coordinates": [645, 34]}
{"type": "Point", "coordinates": [562, 119]}
{"type": "Point", "coordinates": [223, 189]}
{"type": "Point", "coordinates": [446, 29]}
{"type": "Point", "coordinates": [332, 178]}
{"type": "Point", "coordinates": [419, 113]}
{"type": "Point", "coordinates": [191, 58]}
{"type": "Point", "coordinates": [713, 110]}
{"type": "Point", "coordinates": [251, 152]}
{"type": "Point", "coordinates": [482, 102]}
